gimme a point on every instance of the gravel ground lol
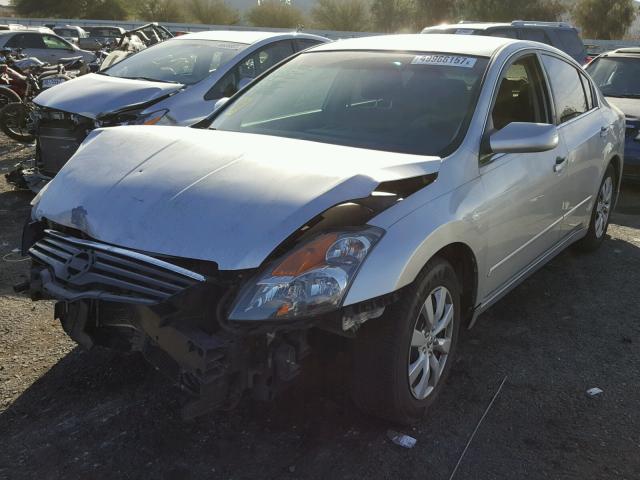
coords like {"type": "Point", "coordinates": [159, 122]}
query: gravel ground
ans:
{"type": "Point", "coordinates": [65, 413]}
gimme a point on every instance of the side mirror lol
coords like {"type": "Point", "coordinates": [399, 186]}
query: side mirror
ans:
{"type": "Point", "coordinates": [521, 137]}
{"type": "Point", "coordinates": [220, 103]}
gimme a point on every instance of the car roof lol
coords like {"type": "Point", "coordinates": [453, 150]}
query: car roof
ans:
{"type": "Point", "coordinates": [461, 44]}
{"type": "Point", "coordinates": [628, 52]}
{"type": "Point", "coordinates": [514, 24]}
{"type": "Point", "coordinates": [248, 36]}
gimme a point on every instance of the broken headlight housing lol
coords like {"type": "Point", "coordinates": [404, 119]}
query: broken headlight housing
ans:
{"type": "Point", "coordinates": [311, 280]}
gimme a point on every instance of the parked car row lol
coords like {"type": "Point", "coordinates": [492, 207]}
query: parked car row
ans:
{"type": "Point", "coordinates": [255, 194]}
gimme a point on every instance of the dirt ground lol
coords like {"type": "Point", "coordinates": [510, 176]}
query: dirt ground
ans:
{"type": "Point", "coordinates": [66, 413]}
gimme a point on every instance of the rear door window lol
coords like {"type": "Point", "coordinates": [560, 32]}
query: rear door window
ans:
{"type": "Point", "coordinates": [503, 32]}
{"type": "Point", "coordinates": [304, 43]}
{"type": "Point", "coordinates": [535, 35]}
{"type": "Point", "coordinates": [568, 93]}
{"type": "Point", "coordinates": [571, 42]}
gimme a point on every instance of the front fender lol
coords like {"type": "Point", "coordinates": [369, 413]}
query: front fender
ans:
{"type": "Point", "coordinates": [414, 239]}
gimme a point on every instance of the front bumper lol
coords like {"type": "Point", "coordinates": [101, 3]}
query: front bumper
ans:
{"type": "Point", "coordinates": [117, 298]}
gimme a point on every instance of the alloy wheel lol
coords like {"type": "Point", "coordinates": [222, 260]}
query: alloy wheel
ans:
{"type": "Point", "coordinates": [603, 206]}
{"type": "Point", "coordinates": [430, 342]}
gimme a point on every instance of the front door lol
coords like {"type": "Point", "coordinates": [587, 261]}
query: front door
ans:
{"type": "Point", "coordinates": [525, 189]}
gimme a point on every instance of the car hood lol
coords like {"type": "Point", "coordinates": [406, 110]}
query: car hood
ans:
{"type": "Point", "coordinates": [226, 197]}
{"type": "Point", "coordinates": [93, 94]}
{"type": "Point", "coordinates": [629, 106]}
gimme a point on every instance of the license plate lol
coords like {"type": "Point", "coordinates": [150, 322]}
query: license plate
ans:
{"type": "Point", "coordinates": [51, 82]}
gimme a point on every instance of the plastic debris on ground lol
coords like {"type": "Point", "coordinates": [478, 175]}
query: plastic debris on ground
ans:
{"type": "Point", "coordinates": [594, 392]}
{"type": "Point", "coordinates": [401, 439]}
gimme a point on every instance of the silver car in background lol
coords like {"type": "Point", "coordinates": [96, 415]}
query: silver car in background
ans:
{"type": "Point", "coordinates": [176, 82]}
{"type": "Point", "coordinates": [46, 47]}
{"type": "Point", "coordinates": [385, 189]}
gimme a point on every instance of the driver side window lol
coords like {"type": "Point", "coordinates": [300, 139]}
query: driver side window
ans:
{"type": "Point", "coordinates": [55, 43]}
{"type": "Point", "coordinates": [521, 95]}
{"type": "Point", "coordinates": [249, 68]}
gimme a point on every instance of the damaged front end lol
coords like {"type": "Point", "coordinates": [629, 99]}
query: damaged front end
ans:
{"type": "Point", "coordinates": [130, 301]}
{"type": "Point", "coordinates": [173, 311]}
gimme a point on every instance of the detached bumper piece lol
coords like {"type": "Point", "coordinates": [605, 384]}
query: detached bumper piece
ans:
{"type": "Point", "coordinates": [125, 300]}
{"type": "Point", "coordinates": [81, 269]}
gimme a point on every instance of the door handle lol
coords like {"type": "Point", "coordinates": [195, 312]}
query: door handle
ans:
{"type": "Point", "coordinates": [603, 131]}
{"type": "Point", "coordinates": [560, 163]}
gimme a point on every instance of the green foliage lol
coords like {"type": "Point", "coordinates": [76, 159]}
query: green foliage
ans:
{"type": "Point", "coordinates": [433, 12]}
{"type": "Point", "coordinates": [49, 8]}
{"type": "Point", "coordinates": [160, 11]}
{"type": "Point", "coordinates": [99, 9]}
{"type": "Point", "coordinates": [106, 10]}
{"type": "Point", "coordinates": [213, 12]}
{"type": "Point", "coordinates": [344, 15]}
{"type": "Point", "coordinates": [508, 10]}
{"type": "Point", "coordinates": [392, 15]}
{"type": "Point", "coordinates": [275, 13]}
{"type": "Point", "coordinates": [605, 20]}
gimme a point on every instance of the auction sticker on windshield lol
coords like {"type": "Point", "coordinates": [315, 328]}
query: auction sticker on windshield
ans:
{"type": "Point", "coordinates": [447, 60]}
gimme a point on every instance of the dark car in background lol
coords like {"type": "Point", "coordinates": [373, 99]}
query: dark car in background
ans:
{"type": "Point", "coordinates": [561, 35]}
{"type": "Point", "coordinates": [100, 36]}
{"type": "Point", "coordinates": [617, 74]}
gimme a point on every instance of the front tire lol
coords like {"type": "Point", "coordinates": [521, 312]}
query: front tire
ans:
{"type": "Point", "coordinates": [402, 360]}
{"type": "Point", "coordinates": [601, 214]}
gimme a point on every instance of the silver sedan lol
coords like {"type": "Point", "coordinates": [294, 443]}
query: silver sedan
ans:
{"type": "Point", "coordinates": [385, 189]}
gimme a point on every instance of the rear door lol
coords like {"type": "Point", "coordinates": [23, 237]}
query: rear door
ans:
{"type": "Point", "coordinates": [31, 45]}
{"type": "Point", "coordinates": [580, 125]}
{"type": "Point", "coordinates": [525, 210]}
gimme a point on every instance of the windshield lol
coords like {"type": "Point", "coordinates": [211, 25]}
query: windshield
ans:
{"type": "Point", "coordinates": [398, 102]}
{"type": "Point", "coordinates": [616, 76]}
{"type": "Point", "coordinates": [177, 61]}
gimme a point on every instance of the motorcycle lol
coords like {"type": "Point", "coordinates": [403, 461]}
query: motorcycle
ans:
{"type": "Point", "coordinates": [21, 80]}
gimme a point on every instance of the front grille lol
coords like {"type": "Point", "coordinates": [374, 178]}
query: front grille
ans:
{"type": "Point", "coordinates": [59, 134]}
{"type": "Point", "coordinates": [94, 270]}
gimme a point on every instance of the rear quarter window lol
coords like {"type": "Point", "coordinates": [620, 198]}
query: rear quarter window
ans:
{"type": "Point", "coordinates": [570, 41]}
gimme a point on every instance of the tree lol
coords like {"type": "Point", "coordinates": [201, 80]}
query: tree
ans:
{"type": "Point", "coordinates": [99, 9]}
{"type": "Point", "coordinates": [49, 8]}
{"type": "Point", "coordinates": [275, 13]}
{"type": "Point", "coordinates": [342, 15]}
{"type": "Point", "coordinates": [106, 10]}
{"type": "Point", "coordinates": [507, 10]}
{"type": "Point", "coordinates": [213, 12]}
{"type": "Point", "coordinates": [160, 11]}
{"type": "Point", "coordinates": [392, 15]}
{"type": "Point", "coordinates": [433, 12]}
{"type": "Point", "coordinates": [604, 20]}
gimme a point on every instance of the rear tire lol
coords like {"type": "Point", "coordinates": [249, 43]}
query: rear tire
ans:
{"type": "Point", "coordinates": [401, 361]}
{"type": "Point", "coordinates": [601, 214]}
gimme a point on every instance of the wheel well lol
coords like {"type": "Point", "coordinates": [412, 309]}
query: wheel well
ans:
{"type": "Point", "coordinates": [615, 161]}
{"type": "Point", "coordinates": [461, 257]}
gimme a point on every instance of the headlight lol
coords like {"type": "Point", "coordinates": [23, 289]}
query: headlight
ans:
{"type": "Point", "coordinates": [133, 117]}
{"type": "Point", "coordinates": [311, 280]}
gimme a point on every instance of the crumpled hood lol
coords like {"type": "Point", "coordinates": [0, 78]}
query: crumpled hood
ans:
{"type": "Point", "coordinates": [629, 106]}
{"type": "Point", "coordinates": [93, 94]}
{"type": "Point", "coordinates": [227, 197]}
